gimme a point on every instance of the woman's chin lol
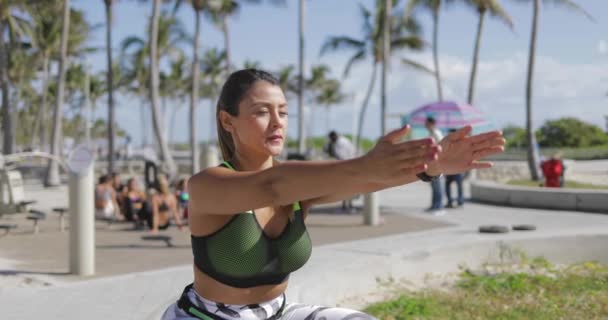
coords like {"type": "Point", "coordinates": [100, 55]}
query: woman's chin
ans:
{"type": "Point", "coordinates": [274, 150]}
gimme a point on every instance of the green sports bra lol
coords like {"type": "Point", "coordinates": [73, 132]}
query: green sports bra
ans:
{"type": "Point", "coordinates": [241, 255]}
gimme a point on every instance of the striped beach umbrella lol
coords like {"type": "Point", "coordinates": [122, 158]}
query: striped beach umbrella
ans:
{"type": "Point", "coordinates": [448, 115]}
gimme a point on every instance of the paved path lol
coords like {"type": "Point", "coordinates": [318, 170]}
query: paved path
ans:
{"type": "Point", "coordinates": [344, 272]}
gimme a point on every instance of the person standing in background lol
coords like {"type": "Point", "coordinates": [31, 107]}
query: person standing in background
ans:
{"type": "Point", "coordinates": [341, 148]}
{"type": "Point", "coordinates": [436, 202]}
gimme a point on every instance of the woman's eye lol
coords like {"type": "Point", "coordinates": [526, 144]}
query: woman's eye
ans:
{"type": "Point", "coordinates": [262, 113]}
{"type": "Point", "coordinates": [283, 114]}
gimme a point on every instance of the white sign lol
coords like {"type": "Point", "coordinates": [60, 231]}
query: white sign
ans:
{"type": "Point", "coordinates": [80, 159]}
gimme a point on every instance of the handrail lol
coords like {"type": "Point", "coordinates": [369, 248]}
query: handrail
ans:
{"type": "Point", "coordinates": [15, 156]}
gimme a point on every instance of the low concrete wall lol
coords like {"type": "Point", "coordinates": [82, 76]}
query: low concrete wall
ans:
{"type": "Point", "coordinates": [543, 198]}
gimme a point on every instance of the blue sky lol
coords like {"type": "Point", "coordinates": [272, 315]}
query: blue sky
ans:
{"type": "Point", "coordinates": [571, 76]}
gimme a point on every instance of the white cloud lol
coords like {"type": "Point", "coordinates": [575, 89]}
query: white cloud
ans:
{"type": "Point", "coordinates": [602, 47]}
{"type": "Point", "coordinates": [560, 89]}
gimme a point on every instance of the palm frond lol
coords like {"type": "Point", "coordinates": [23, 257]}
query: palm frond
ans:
{"type": "Point", "coordinates": [131, 41]}
{"type": "Point", "coordinates": [341, 43]}
{"type": "Point", "coordinates": [418, 66]}
{"type": "Point", "coordinates": [496, 10]}
{"type": "Point", "coordinates": [412, 43]}
{"type": "Point", "coordinates": [358, 57]}
{"type": "Point", "coordinates": [572, 6]}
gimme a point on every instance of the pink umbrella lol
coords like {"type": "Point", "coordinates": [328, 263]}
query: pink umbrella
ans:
{"type": "Point", "coordinates": [448, 115]}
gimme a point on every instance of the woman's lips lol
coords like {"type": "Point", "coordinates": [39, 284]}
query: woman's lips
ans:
{"type": "Point", "coordinates": [275, 138]}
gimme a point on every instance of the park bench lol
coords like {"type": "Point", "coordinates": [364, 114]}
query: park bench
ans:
{"type": "Point", "coordinates": [36, 215]}
{"type": "Point", "coordinates": [61, 211]}
{"type": "Point", "coordinates": [7, 228]}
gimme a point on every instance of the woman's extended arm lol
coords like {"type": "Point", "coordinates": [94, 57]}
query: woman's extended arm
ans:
{"type": "Point", "coordinates": [222, 191]}
{"type": "Point", "coordinates": [460, 153]}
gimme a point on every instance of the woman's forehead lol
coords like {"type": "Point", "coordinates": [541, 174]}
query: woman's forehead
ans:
{"type": "Point", "coordinates": [264, 92]}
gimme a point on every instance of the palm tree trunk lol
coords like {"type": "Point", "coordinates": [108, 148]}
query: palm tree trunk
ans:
{"type": "Point", "coordinates": [52, 178]}
{"type": "Point", "coordinates": [39, 129]}
{"type": "Point", "coordinates": [436, 54]}
{"type": "Point", "coordinates": [144, 126]}
{"type": "Point", "coordinates": [532, 156]}
{"type": "Point", "coordinates": [364, 107]}
{"type": "Point", "coordinates": [482, 15]}
{"type": "Point", "coordinates": [194, 149]}
{"type": "Point", "coordinates": [110, 76]}
{"type": "Point", "coordinates": [154, 95]}
{"type": "Point", "coordinates": [7, 126]}
{"type": "Point", "coordinates": [386, 48]}
{"type": "Point", "coordinates": [226, 33]}
{"type": "Point", "coordinates": [301, 135]}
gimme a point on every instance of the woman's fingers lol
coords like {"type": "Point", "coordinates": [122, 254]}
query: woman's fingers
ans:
{"type": "Point", "coordinates": [394, 136]}
{"type": "Point", "coordinates": [487, 152]}
{"type": "Point", "coordinates": [479, 165]}
{"type": "Point", "coordinates": [460, 133]}
{"type": "Point", "coordinates": [489, 143]}
{"type": "Point", "coordinates": [484, 136]}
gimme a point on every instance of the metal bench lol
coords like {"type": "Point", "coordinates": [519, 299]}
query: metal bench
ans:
{"type": "Point", "coordinates": [36, 215]}
{"type": "Point", "coordinates": [7, 228]}
{"type": "Point", "coordinates": [61, 211]}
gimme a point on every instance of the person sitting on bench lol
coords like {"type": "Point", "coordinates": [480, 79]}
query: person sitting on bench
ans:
{"type": "Point", "coordinates": [164, 205]}
{"type": "Point", "coordinates": [135, 207]}
{"type": "Point", "coordinates": [106, 206]}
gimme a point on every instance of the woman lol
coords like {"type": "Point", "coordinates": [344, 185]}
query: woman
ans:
{"type": "Point", "coordinates": [164, 206]}
{"type": "Point", "coordinates": [181, 193]}
{"type": "Point", "coordinates": [136, 207]}
{"type": "Point", "coordinates": [247, 215]}
{"type": "Point", "coordinates": [106, 204]}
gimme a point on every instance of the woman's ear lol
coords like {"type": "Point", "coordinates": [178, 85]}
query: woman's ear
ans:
{"type": "Point", "coordinates": [226, 121]}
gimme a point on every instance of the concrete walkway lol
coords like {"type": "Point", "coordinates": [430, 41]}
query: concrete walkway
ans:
{"type": "Point", "coordinates": [340, 273]}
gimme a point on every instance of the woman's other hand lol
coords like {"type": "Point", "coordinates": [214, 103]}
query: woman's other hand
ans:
{"type": "Point", "coordinates": [391, 159]}
{"type": "Point", "coordinates": [461, 152]}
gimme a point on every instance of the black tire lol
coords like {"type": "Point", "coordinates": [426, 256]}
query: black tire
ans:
{"type": "Point", "coordinates": [524, 227]}
{"type": "Point", "coordinates": [493, 229]}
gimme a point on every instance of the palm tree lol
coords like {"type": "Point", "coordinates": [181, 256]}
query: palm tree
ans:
{"type": "Point", "coordinates": [52, 178]}
{"type": "Point", "coordinates": [404, 35]}
{"type": "Point", "coordinates": [329, 95]}
{"type": "Point", "coordinates": [12, 23]}
{"type": "Point", "coordinates": [482, 7]}
{"type": "Point", "coordinates": [46, 38]}
{"type": "Point", "coordinates": [531, 139]}
{"type": "Point", "coordinates": [301, 135]}
{"type": "Point", "coordinates": [213, 67]}
{"type": "Point", "coordinates": [140, 64]}
{"type": "Point", "coordinates": [434, 6]}
{"type": "Point", "coordinates": [288, 81]}
{"type": "Point", "coordinates": [387, 8]}
{"type": "Point", "coordinates": [154, 89]}
{"type": "Point", "coordinates": [136, 77]}
{"type": "Point", "coordinates": [197, 6]}
{"type": "Point", "coordinates": [110, 82]}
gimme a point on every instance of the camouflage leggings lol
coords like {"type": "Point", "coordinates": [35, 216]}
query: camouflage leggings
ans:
{"type": "Point", "coordinates": [276, 309]}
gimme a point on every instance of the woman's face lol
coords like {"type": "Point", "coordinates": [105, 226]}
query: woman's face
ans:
{"type": "Point", "coordinates": [133, 185]}
{"type": "Point", "coordinates": [261, 125]}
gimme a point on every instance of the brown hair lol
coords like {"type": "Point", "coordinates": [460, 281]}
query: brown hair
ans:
{"type": "Point", "coordinates": [233, 91]}
{"type": "Point", "coordinates": [163, 184]}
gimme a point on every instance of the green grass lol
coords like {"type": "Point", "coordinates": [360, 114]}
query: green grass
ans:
{"type": "Point", "coordinates": [574, 292]}
{"type": "Point", "coordinates": [569, 184]}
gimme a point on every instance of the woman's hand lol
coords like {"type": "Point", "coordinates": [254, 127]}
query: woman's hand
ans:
{"type": "Point", "coordinates": [390, 159]}
{"type": "Point", "coordinates": [461, 152]}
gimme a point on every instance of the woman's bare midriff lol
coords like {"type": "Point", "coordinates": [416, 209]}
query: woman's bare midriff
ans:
{"type": "Point", "coordinates": [213, 290]}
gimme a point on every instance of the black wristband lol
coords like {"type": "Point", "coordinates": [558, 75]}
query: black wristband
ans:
{"type": "Point", "coordinates": [426, 178]}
